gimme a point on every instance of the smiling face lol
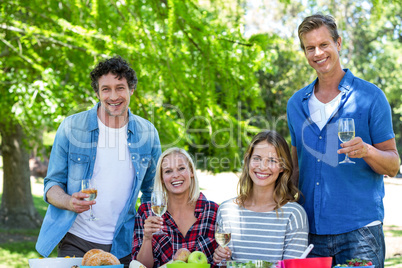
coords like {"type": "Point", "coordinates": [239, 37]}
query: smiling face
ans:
{"type": "Point", "coordinates": [176, 174]}
{"type": "Point", "coordinates": [264, 165]}
{"type": "Point", "coordinates": [114, 95]}
{"type": "Point", "coordinates": [321, 51]}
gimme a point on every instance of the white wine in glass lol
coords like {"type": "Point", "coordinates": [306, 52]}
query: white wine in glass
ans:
{"type": "Point", "coordinates": [222, 234]}
{"type": "Point", "coordinates": [88, 187]}
{"type": "Point", "coordinates": [159, 206]}
{"type": "Point", "coordinates": [346, 132]}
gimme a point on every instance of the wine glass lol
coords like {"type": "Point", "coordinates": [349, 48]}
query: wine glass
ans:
{"type": "Point", "coordinates": [88, 187]}
{"type": "Point", "coordinates": [222, 234]}
{"type": "Point", "coordinates": [159, 206]}
{"type": "Point", "coordinates": [346, 132]}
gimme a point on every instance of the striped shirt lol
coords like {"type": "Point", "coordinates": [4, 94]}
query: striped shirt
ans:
{"type": "Point", "coordinates": [264, 235]}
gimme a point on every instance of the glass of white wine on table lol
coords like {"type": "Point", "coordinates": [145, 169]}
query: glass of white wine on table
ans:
{"type": "Point", "coordinates": [88, 186]}
{"type": "Point", "coordinates": [222, 234]}
{"type": "Point", "coordinates": [346, 132]}
{"type": "Point", "coordinates": [159, 206]}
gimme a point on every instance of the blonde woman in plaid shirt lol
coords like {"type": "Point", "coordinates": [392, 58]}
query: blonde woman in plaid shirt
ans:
{"type": "Point", "coordinates": [189, 220]}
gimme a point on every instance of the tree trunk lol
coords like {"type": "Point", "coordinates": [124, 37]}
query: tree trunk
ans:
{"type": "Point", "coordinates": [17, 210]}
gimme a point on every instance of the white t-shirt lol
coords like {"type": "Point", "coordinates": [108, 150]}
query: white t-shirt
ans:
{"type": "Point", "coordinates": [321, 112]}
{"type": "Point", "coordinates": [114, 176]}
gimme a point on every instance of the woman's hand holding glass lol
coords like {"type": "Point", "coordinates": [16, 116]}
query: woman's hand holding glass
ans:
{"type": "Point", "coordinates": [152, 225]}
{"type": "Point", "coordinates": [159, 206]}
{"type": "Point", "coordinates": [222, 237]}
{"type": "Point", "coordinates": [222, 254]}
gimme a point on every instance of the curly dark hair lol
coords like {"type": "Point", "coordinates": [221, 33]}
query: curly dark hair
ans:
{"type": "Point", "coordinates": [117, 66]}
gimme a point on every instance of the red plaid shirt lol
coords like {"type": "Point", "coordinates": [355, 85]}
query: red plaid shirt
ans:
{"type": "Point", "coordinates": [200, 236]}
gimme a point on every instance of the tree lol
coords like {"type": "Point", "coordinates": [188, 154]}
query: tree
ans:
{"type": "Point", "coordinates": [33, 60]}
{"type": "Point", "coordinates": [371, 35]}
{"type": "Point", "coordinates": [193, 66]}
{"type": "Point", "coordinates": [205, 86]}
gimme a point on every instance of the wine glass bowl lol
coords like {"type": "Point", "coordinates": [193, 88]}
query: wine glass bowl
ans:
{"type": "Point", "coordinates": [346, 132]}
{"type": "Point", "coordinates": [222, 234]}
{"type": "Point", "coordinates": [88, 186]}
{"type": "Point", "coordinates": [159, 206]}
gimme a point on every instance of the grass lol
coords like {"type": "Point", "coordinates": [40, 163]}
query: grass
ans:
{"type": "Point", "coordinates": [393, 262]}
{"type": "Point", "coordinates": [393, 231]}
{"type": "Point", "coordinates": [16, 254]}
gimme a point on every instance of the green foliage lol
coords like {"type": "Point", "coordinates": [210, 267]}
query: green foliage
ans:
{"type": "Point", "coordinates": [205, 86]}
{"type": "Point", "coordinates": [196, 70]}
{"type": "Point", "coordinates": [378, 57]}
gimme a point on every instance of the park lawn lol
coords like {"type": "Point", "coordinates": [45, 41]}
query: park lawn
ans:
{"type": "Point", "coordinates": [16, 254]}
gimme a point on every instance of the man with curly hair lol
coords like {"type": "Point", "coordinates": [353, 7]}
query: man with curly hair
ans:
{"type": "Point", "coordinates": [115, 148]}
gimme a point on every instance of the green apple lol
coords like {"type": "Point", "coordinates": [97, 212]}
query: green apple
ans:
{"type": "Point", "coordinates": [197, 257]}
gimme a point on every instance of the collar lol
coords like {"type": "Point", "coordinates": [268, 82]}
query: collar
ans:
{"type": "Point", "coordinates": [200, 205]}
{"type": "Point", "coordinates": [344, 86]}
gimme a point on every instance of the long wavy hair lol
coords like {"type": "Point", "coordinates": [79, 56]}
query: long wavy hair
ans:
{"type": "Point", "coordinates": [285, 191]}
{"type": "Point", "coordinates": [194, 185]}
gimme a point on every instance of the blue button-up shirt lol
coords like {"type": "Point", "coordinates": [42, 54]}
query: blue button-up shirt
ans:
{"type": "Point", "coordinates": [72, 159]}
{"type": "Point", "coordinates": [339, 198]}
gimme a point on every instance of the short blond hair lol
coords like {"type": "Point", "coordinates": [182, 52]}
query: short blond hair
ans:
{"type": "Point", "coordinates": [314, 22]}
{"type": "Point", "coordinates": [194, 185]}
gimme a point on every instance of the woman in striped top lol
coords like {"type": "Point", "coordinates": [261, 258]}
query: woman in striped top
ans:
{"type": "Point", "coordinates": [266, 222]}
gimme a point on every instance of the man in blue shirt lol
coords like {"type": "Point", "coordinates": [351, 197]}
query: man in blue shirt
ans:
{"type": "Point", "coordinates": [343, 201]}
{"type": "Point", "coordinates": [115, 148]}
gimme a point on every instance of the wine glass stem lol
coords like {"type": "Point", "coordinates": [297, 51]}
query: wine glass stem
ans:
{"type": "Point", "coordinates": [223, 261]}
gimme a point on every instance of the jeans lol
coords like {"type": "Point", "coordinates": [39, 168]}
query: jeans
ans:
{"type": "Point", "coordinates": [72, 245]}
{"type": "Point", "coordinates": [364, 243]}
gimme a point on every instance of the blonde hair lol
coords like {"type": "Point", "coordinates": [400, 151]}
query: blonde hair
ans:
{"type": "Point", "coordinates": [194, 185]}
{"type": "Point", "coordinates": [285, 191]}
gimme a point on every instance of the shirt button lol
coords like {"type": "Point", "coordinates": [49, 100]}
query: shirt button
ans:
{"type": "Point", "coordinates": [320, 137]}
{"type": "Point", "coordinates": [318, 160]}
{"type": "Point", "coordinates": [129, 144]}
{"type": "Point", "coordinates": [318, 183]}
{"type": "Point", "coordinates": [79, 159]}
{"type": "Point", "coordinates": [133, 157]}
{"type": "Point", "coordinates": [138, 173]}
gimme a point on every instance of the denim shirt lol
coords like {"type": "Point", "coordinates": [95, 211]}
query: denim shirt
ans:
{"type": "Point", "coordinates": [73, 158]}
{"type": "Point", "coordinates": [340, 198]}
